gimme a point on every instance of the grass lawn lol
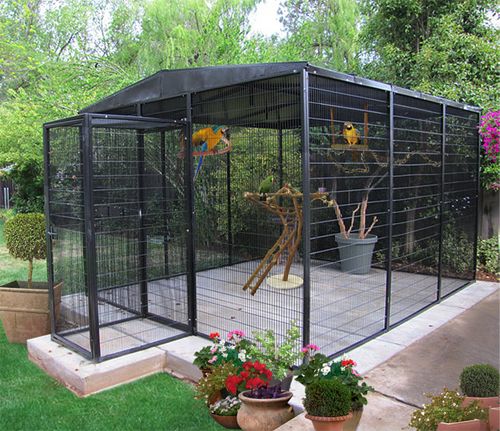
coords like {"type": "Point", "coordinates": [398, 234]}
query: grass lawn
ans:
{"type": "Point", "coordinates": [32, 401]}
{"type": "Point", "coordinates": [15, 269]}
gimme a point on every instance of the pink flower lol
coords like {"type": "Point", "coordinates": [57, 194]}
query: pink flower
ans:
{"type": "Point", "coordinates": [235, 335]}
{"type": "Point", "coordinates": [309, 348]}
{"type": "Point", "coordinates": [212, 360]}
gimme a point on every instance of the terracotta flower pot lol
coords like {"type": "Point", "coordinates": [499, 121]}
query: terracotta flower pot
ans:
{"type": "Point", "coordinates": [352, 423]}
{"type": "Point", "coordinates": [226, 421]}
{"type": "Point", "coordinates": [473, 425]}
{"type": "Point", "coordinates": [494, 418]}
{"type": "Point", "coordinates": [324, 423]}
{"type": "Point", "coordinates": [25, 312]}
{"type": "Point", "coordinates": [264, 415]}
{"type": "Point", "coordinates": [484, 402]}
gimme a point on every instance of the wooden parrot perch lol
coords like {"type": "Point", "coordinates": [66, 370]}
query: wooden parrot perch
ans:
{"type": "Point", "coordinates": [290, 215]}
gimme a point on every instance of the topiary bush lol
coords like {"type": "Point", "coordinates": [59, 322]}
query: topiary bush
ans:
{"type": "Point", "coordinates": [327, 398]}
{"type": "Point", "coordinates": [480, 380]}
{"type": "Point", "coordinates": [25, 239]}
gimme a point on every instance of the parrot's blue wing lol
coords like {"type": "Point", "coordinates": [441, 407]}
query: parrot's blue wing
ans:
{"type": "Point", "coordinates": [204, 147]}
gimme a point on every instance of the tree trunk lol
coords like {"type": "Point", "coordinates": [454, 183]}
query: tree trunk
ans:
{"type": "Point", "coordinates": [30, 273]}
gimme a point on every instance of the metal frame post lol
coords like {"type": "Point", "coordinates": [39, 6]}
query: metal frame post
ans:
{"type": "Point", "coordinates": [143, 246]}
{"type": "Point", "coordinates": [306, 207]}
{"type": "Point", "coordinates": [190, 229]}
{"type": "Point", "coordinates": [390, 213]}
{"type": "Point", "coordinates": [441, 201]}
{"type": "Point", "coordinates": [90, 245]}
{"type": "Point", "coordinates": [478, 192]}
{"type": "Point", "coordinates": [229, 210]}
{"type": "Point", "coordinates": [48, 228]}
{"type": "Point", "coordinates": [164, 205]}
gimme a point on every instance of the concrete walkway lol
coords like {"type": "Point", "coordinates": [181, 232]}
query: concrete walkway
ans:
{"type": "Point", "coordinates": [423, 355]}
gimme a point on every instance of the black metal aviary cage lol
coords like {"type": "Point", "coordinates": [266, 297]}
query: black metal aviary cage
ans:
{"type": "Point", "coordinates": [220, 198]}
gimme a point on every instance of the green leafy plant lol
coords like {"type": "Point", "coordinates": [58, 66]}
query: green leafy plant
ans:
{"type": "Point", "coordinates": [445, 407]}
{"type": "Point", "coordinates": [215, 382]}
{"type": "Point", "coordinates": [228, 406]}
{"type": "Point", "coordinates": [278, 356]}
{"type": "Point", "coordinates": [327, 398]}
{"type": "Point", "coordinates": [480, 380]}
{"type": "Point", "coordinates": [318, 367]}
{"type": "Point", "coordinates": [25, 239]}
{"type": "Point", "coordinates": [6, 214]}
{"type": "Point", "coordinates": [487, 254]}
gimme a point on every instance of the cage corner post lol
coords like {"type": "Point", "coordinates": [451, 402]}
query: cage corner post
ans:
{"type": "Point", "coordinates": [90, 261]}
{"type": "Point", "coordinates": [48, 229]}
{"type": "Point", "coordinates": [306, 207]}
{"type": "Point", "coordinates": [190, 241]}
{"type": "Point", "coordinates": [478, 193]}
{"type": "Point", "coordinates": [441, 203]}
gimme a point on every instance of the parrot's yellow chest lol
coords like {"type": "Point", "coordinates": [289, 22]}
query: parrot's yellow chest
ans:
{"type": "Point", "coordinates": [207, 135]}
{"type": "Point", "coordinates": [350, 134]}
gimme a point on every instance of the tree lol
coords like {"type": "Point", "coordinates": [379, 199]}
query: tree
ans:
{"type": "Point", "coordinates": [321, 31]}
{"type": "Point", "coordinates": [444, 47]}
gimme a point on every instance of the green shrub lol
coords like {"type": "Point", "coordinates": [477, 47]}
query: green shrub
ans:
{"type": "Point", "coordinates": [445, 407]}
{"type": "Point", "coordinates": [6, 214]}
{"type": "Point", "coordinates": [487, 254]}
{"type": "Point", "coordinates": [25, 238]}
{"type": "Point", "coordinates": [328, 398]}
{"type": "Point", "coordinates": [480, 380]}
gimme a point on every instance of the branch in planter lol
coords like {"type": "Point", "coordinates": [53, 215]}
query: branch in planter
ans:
{"type": "Point", "coordinates": [333, 203]}
{"type": "Point", "coordinates": [352, 220]}
{"type": "Point", "coordinates": [362, 219]}
{"type": "Point", "coordinates": [375, 220]}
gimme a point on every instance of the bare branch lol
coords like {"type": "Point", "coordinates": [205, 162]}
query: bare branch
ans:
{"type": "Point", "coordinates": [333, 203]}
{"type": "Point", "coordinates": [375, 220]}
{"type": "Point", "coordinates": [352, 219]}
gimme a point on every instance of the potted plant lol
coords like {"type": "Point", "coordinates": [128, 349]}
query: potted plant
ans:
{"type": "Point", "coordinates": [212, 387]}
{"type": "Point", "coordinates": [355, 247]}
{"type": "Point", "coordinates": [234, 349]}
{"type": "Point", "coordinates": [263, 407]}
{"type": "Point", "coordinates": [446, 412]}
{"type": "Point", "coordinates": [24, 305]}
{"type": "Point", "coordinates": [317, 366]}
{"type": "Point", "coordinates": [280, 357]}
{"type": "Point", "coordinates": [479, 383]}
{"type": "Point", "coordinates": [225, 410]}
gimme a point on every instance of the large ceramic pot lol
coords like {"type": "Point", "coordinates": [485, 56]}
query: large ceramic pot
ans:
{"type": "Point", "coordinates": [324, 423]}
{"type": "Point", "coordinates": [356, 254]}
{"type": "Point", "coordinates": [264, 415]}
{"type": "Point", "coordinates": [494, 418]}
{"type": "Point", "coordinates": [352, 423]}
{"type": "Point", "coordinates": [25, 312]}
{"type": "Point", "coordinates": [226, 421]}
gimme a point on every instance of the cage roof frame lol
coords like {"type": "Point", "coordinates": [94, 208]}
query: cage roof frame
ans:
{"type": "Point", "coordinates": [167, 84]}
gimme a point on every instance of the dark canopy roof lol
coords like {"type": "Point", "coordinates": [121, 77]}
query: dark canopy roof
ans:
{"type": "Point", "coordinates": [167, 84]}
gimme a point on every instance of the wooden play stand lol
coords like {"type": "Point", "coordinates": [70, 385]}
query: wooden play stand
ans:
{"type": "Point", "coordinates": [286, 203]}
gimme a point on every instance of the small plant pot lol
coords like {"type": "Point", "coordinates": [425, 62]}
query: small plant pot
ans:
{"type": "Point", "coordinates": [229, 422]}
{"type": "Point", "coordinates": [484, 402]}
{"type": "Point", "coordinates": [25, 312]}
{"type": "Point", "coordinates": [473, 425]}
{"type": "Point", "coordinates": [325, 423]}
{"type": "Point", "coordinates": [356, 254]}
{"type": "Point", "coordinates": [264, 415]}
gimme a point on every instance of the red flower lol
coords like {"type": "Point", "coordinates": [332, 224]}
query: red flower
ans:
{"type": "Point", "coordinates": [232, 383]}
{"type": "Point", "coordinates": [245, 374]}
{"type": "Point", "coordinates": [255, 383]}
{"type": "Point", "coordinates": [214, 335]}
{"type": "Point", "coordinates": [348, 363]}
{"type": "Point", "coordinates": [259, 367]}
{"type": "Point", "coordinates": [268, 374]}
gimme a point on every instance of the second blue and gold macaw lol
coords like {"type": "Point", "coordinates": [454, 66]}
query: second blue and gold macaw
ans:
{"type": "Point", "coordinates": [207, 138]}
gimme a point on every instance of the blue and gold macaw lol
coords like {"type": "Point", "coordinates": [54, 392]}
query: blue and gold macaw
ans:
{"type": "Point", "coordinates": [207, 138]}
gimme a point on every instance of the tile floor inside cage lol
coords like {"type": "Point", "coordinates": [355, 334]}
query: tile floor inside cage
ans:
{"type": "Point", "coordinates": [345, 308]}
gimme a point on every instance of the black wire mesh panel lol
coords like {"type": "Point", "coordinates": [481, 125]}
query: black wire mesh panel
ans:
{"type": "Point", "coordinates": [417, 192]}
{"type": "Point", "coordinates": [460, 199]}
{"type": "Point", "coordinates": [66, 222]}
{"type": "Point", "coordinates": [233, 234]}
{"type": "Point", "coordinates": [349, 164]}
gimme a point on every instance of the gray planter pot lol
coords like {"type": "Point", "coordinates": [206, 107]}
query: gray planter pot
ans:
{"type": "Point", "coordinates": [356, 254]}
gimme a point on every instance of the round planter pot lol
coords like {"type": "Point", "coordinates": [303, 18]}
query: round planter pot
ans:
{"type": "Point", "coordinates": [264, 415]}
{"type": "Point", "coordinates": [323, 423]}
{"type": "Point", "coordinates": [25, 312]}
{"type": "Point", "coordinates": [356, 254]}
{"type": "Point", "coordinates": [473, 425]}
{"type": "Point", "coordinates": [352, 423]}
{"type": "Point", "coordinates": [226, 421]}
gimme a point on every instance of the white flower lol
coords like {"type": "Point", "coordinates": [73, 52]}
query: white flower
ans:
{"type": "Point", "coordinates": [224, 355]}
{"type": "Point", "coordinates": [325, 370]}
{"type": "Point", "coordinates": [242, 357]}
